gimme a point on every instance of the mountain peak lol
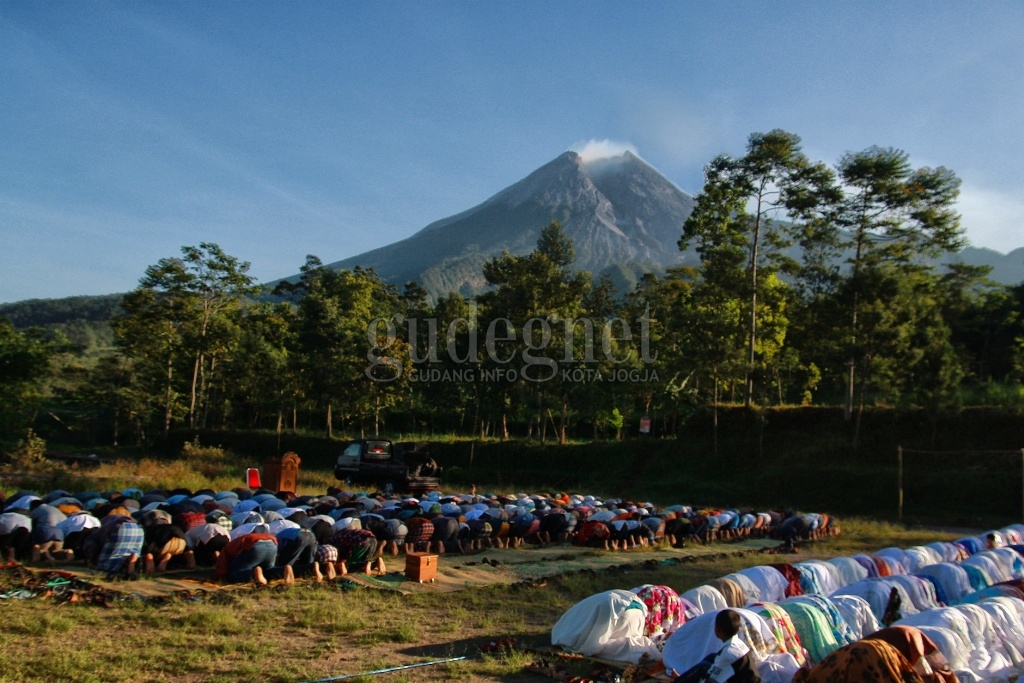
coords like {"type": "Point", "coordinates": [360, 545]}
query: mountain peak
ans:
{"type": "Point", "coordinates": [626, 155]}
{"type": "Point", "coordinates": [620, 213]}
{"type": "Point", "coordinates": [595, 150]}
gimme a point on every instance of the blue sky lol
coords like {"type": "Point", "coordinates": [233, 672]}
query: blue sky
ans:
{"type": "Point", "coordinates": [282, 129]}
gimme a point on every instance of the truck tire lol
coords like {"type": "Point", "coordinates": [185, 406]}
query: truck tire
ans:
{"type": "Point", "coordinates": [388, 487]}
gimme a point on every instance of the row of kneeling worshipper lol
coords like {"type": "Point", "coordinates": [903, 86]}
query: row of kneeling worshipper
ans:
{"type": "Point", "coordinates": [617, 524]}
{"type": "Point", "coordinates": [242, 534]}
{"type": "Point", "coordinates": [940, 612]}
{"type": "Point", "coordinates": [181, 527]}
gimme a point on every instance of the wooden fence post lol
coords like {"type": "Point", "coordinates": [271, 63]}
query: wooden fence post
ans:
{"type": "Point", "coordinates": [899, 480]}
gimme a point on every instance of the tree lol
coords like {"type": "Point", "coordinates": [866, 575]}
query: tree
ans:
{"type": "Point", "coordinates": [895, 216]}
{"type": "Point", "coordinates": [748, 211]}
{"type": "Point", "coordinates": [987, 324]}
{"type": "Point", "coordinates": [149, 332]}
{"type": "Point", "coordinates": [113, 390]}
{"type": "Point", "coordinates": [335, 315]}
{"type": "Point", "coordinates": [184, 306]}
{"type": "Point", "coordinates": [667, 302]}
{"type": "Point", "coordinates": [539, 293]}
{"type": "Point", "coordinates": [906, 355]}
{"type": "Point", "coordinates": [215, 283]}
{"type": "Point", "coordinates": [24, 365]}
{"type": "Point", "coordinates": [454, 316]}
{"type": "Point", "coordinates": [714, 339]}
{"type": "Point", "coordinates": [261, 372]}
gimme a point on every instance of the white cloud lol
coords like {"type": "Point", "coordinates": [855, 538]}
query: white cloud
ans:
{"type": "Point", "coordinates": [592, 150]}
{"type": "Point", "coordinates": [992, 218]}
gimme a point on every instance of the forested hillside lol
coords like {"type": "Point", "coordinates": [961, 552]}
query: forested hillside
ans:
{"type": "Point", "coordinates": [84, 320]}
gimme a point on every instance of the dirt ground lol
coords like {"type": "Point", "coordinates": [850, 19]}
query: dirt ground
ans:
{"type": "Point", "coordinates": [509, 566]}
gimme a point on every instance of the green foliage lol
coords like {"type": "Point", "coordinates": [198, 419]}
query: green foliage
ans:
{"type": "Point", "coordinates": [184, 316]}
{"type": "Point", "coordinates": [998, 394]}
{"type": "Point", "coordinates": [897, 213]}
{"type": "Point", "coordinates": [802, 459]}
{"type": "Point", "coordinates": [29, 455]}
{"type": "Point", "coordinates": [611, 420]}
{"type": "Point", "coordinates": [43, 312]}
{"type": "Point", "coordinates": [535, 305]}
{"type": "Point", "coordinates": [749, 211]}
{"type": "Point", "coordinates": [897, 218]}
{"type": "Point", "coordinates": [345, 344]}
{"type": "Point", "coordinates": [25, 359]}
{"type": "Point", "coordinates": [82, 320]}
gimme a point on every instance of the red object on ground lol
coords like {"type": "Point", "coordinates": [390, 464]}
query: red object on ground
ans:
{"type": "Point", "coordinates": [252, 478]}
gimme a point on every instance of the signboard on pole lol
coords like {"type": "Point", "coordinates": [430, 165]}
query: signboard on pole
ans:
{"type": "Point", "coordinates": [645, 425]}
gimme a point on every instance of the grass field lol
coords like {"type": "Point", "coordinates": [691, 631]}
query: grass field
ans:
{"type": "Point", "coordinates": [312, 631]}
{"type": "Point", "coordinates": [309, 631]}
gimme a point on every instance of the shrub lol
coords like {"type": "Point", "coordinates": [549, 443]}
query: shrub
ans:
{"type": "Point", "coordinates": [998, 394]}
{"type": "Point", "coordinates": [29, 456]}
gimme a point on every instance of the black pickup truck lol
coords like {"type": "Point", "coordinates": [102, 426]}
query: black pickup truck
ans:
{"type": "Point", "coordinates": [391, 467]}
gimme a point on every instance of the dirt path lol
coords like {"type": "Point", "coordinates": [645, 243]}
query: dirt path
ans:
{"type": "Point", "coordinates": [458, 572]}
